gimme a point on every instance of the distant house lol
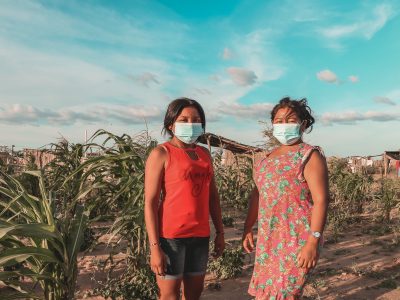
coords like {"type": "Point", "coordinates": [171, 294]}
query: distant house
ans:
{"type": "Point", "coordinates": [356, 163]}
{"type": "Point", "coordinates": [41, 157]}
{"type": "Point", "coordinates": [391, 161]}
{"type": "Point", "coordinates": [231, 149]}
{"type": "Point", "coordinates": [6, 157]}
{"type": "Point", "coordinates": [229, 158]}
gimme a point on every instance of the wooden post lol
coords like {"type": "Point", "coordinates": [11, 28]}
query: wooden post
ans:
{"type": "Point", "coordinates": [209, 143]}
{"type": "Point", "coordinates": [385, 163]}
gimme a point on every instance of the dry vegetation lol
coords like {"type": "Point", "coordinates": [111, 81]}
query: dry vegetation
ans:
{"type": "Point", "coordinates": [76, 229]}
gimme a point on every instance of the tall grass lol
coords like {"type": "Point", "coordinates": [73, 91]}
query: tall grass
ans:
{"type": "Point", "coordinates": [119, 174]}
{"type": "Point", "coordinates": [44, 248]}
{"type": "Point", "coordinates": [234, 180]}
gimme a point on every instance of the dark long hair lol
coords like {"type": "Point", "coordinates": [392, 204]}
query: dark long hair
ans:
{"type": "Point", "coordinates": [300, 107]}
{"type": "Point", "coordinates": [175, 108]}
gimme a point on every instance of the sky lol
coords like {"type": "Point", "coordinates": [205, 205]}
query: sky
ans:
{"type": "Point", "coordinates": [71, 66]}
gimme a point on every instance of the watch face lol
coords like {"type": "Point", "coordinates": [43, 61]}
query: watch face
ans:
{"type": "Point", "coordinates": [316, 234]}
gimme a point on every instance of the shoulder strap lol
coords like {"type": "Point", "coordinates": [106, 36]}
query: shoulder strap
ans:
{"type": "Point", "coordinates": [309, 150]}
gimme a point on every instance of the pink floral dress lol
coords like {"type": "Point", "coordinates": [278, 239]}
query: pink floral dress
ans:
{"type": "Point", "coordinates": [284, 217]}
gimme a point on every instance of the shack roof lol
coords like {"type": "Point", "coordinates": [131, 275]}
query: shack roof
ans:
{"type": "Point", "coordinates": [395, 155]}
{"type": "Point", "coordinates": [214, 140]}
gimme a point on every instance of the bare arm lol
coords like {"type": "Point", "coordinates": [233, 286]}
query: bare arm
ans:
{"type": "Point", "coordinates": [215, 208]}
{"type": "Point", "coordinates": [216, 215]}
{"type": "Point", "coordinates": [316, 175]}
{"type": "Point", "coordinates": [252, 213]}
{"type": "Point", "coordinates": [154, 173]}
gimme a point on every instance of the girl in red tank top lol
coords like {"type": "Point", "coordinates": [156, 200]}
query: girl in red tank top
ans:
{"type": "Point", "coordinates": [180, 196]}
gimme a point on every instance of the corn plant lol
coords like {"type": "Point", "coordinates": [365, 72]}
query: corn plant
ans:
{"type": "Point", "coordinates": [349, 189]}
{"type": "Point", "coordinates": [45, 247]}
{"type": "Point", "coordinates": [387, 197]}
{"type": "Point", "coordinates": [349, 192]}
{"type": "Point", "coordinates": [58, 173]}
{"type": "Point", "coordinates": [119, 173]}
{"type": "Point", "coordinates": [234, 181]}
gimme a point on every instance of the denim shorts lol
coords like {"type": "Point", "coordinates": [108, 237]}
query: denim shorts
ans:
{"type": "Point", "coordinates": [185, 256]}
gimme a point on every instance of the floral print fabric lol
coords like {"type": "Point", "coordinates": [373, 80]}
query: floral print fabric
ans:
{"type": "Point", "coordinates": [284, 217]}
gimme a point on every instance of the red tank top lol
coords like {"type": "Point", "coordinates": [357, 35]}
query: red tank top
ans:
{"type": "Point", "coordinates": [184, 210]}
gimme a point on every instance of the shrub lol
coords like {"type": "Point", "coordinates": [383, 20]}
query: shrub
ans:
{"type": "Point", "coordinates": [348, 192]}
{"type": "Point", "coordinates": [133, 284]}
{"type": "Point", "coordinates": [229, 264]}
{"type": "Point", "coordinates": [387, 197]}
{"type": "Point", "coordinates": [227, 220]}
{"type": "Point", "coordinates": [234, 181]}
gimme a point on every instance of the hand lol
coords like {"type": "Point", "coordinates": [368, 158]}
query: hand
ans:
{"type": "Point", "coordinates": [308, 256]}
{"type": "Point", "coordinates": [158, 262]}
{"type": "Point", "coordinates": [219, 244]}
{"type": "Point", "coordinates": [248, 241]}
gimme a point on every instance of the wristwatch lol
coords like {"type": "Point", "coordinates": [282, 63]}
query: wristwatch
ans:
{"type": "Point", "coordinates": [316, 234]}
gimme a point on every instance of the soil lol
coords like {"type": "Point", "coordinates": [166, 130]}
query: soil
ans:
{"type": "Point", "coordinates": [363, 264]}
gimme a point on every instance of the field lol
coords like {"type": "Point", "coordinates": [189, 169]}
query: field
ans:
{"type": "Point", "coordinates": [363, 264]}
{"type": "Point", "coordinates": [75, 229]}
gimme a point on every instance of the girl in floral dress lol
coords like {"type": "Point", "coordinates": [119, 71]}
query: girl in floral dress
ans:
{"type": "Point", "coordinates": [290, 202]}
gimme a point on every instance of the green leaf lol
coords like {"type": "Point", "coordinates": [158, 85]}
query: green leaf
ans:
{"type": "Point", "coordinates": [23, 253]}
{"type": "Point", "coordinates": [78, 226]}
{"type": "Point", "coordinates": [43, 231]}
{"type": "Point", "coordinates": [4, 275]}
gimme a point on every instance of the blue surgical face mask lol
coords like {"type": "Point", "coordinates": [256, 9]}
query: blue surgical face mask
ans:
{"type": "Point", "coordinates": [287, 133]}
{"type": "Point", "coordinates": [188, 132]}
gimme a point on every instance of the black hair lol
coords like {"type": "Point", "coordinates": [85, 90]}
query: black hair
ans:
{"type": "Point", "coordinates": [174, 110]}
{"type": "Point", "coordinates": [300, 107]}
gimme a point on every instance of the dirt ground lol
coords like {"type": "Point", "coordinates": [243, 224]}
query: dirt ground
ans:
{"type": "Point", "coordinates": [363, 264]}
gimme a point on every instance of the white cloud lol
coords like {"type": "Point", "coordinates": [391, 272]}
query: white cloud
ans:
{"type": "Point", "coordinates": [201, 91]}
{"type": "Point", "coordinates": [227, 54]}
{"type": "Point", "coordinates": [27, 114]}
{"type": "Point", "coordinates": [365, 27]}
{"type": "Point", "coordinates": [339, 31]}
{"type": "Point", "coordinates": [353, 78]}
{"type": "Point", "coordinates": [241, 76]}
{"type": "Point", "coordinates": [87, 55]}
{"type": "Point", "coordinates": [384, 100]}
{"type": "Point", "coordinates": [86, 22]}
{"type": "Point", "coordinates": [327, 76]}
{"type": "Point", "coordinates": [214, 77]}
{"type": "Point", "coordinates": [258, 52]}
{"type": "Point", "coordinates": [394, 95]}
{"type": "Point", "coordinates": [351, 117]}
{"type": "Point", "coordinates": [256, 110]}
{"type": "Point", "coordinates": [146, 79]}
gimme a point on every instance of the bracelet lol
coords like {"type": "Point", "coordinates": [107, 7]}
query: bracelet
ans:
{"type": "Point", "coordinates": [154, 244]}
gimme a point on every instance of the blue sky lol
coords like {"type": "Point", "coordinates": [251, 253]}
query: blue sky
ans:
{"type": "Point", "coordinates": [69, 66]}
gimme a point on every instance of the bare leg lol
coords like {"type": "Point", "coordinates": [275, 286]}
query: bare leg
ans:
{"type": "Point", "coordinates": [169, 288]}
{"type": "Point", "coordinates": [192, 287]}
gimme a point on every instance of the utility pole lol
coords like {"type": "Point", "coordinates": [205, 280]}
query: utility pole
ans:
{"type": "Point", "coordinates": [85, 155]}
{"type": "Point", "coordinates": [12, 154]}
